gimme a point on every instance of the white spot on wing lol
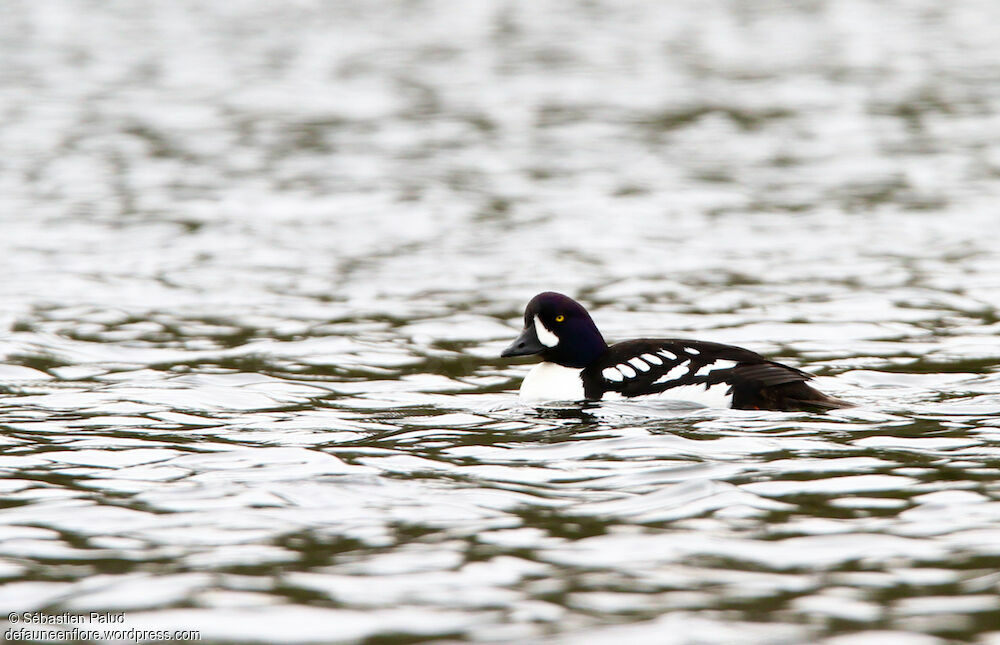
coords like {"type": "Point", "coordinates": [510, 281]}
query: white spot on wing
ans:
{"type": "Point", "coordinates": [674, 372]}
{"type": "Point", "coordinates": [692, 351]}
{"type": "Point", "coordinates": [652, 358]}
{"type": "Point", "coordinates": [545, 337]}
{"type": "Point", "coordinates": [668, 355]}
{"type": "Point", "coordinates": [625, 370]}
{"type": "Point", "coordinates": [639, 364]}
{"type": "Point", "coordinates": [611, 374]}
{"type": "Point", "coordinates": [717, 365]}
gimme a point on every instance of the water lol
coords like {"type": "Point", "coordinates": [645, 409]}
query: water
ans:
{"type": "Point", "coordinates": [260, 259]}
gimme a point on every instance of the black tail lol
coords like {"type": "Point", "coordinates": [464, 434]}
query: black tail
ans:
{"type": "Point", "coordinates": [789, 397]}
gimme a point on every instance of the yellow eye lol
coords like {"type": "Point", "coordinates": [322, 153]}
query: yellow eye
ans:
{"type": "Point", "coordinates": [560, 318]}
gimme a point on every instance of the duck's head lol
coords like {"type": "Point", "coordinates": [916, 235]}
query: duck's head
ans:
{"type": "Point", "coordinates": [560, 330]}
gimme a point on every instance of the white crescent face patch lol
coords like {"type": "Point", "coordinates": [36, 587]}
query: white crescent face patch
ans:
{"type": "Point", "coordinates": [545, 337]}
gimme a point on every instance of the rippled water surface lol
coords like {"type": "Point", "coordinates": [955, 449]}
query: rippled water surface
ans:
{"type": "Point", "coordinates": [259, 260]}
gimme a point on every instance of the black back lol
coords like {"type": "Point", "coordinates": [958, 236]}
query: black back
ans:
{"type": "Point", "coordinates": [755, 382]}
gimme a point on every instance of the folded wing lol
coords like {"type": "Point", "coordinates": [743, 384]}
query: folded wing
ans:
{"type": "Point", "coordinates": [651, 366]}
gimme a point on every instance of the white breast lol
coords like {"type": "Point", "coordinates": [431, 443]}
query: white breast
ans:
{"type": "Point", "coordinates": [551, 382]}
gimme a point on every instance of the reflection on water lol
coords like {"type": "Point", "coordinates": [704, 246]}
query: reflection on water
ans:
{"type": "Point", "coordinates": [260, 260]}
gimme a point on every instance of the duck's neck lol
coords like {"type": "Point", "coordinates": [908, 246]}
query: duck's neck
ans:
{"type": "Point", "coordinates": [586, 349]}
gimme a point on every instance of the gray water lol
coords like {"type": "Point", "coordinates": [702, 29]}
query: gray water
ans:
{"type": "Point", "coordinates": [259, 260]}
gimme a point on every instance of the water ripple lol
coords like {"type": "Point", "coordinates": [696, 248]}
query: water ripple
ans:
{"type": "Point", "coordinates": [260, 262]}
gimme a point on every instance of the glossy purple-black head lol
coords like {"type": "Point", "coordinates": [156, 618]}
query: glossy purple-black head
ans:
{"type": "Point", "coordinates": [560, 330]}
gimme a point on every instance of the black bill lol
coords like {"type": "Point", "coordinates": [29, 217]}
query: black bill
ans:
{"type": "Point", "coordinates": [525, 344]}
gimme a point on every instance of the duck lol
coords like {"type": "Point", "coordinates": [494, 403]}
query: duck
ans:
{"type": "Point", "coordinates": [578, 365]}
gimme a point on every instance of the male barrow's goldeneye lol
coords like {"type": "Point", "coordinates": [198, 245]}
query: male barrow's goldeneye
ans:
{"type": "Point", "coordinates": [578, 365]}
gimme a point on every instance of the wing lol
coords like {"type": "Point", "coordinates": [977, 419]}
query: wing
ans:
{"type": "Point", "coordinates": [654, 365]}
